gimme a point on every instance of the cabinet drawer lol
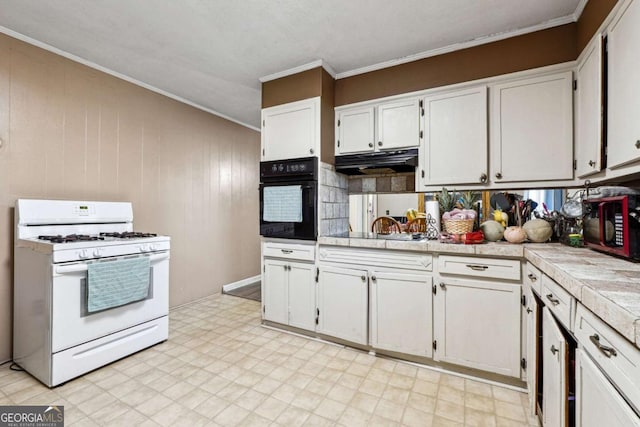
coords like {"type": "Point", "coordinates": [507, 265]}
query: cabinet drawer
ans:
{"type": "Point", "coordinates": [618, 358]}
{"type": "Point", "coordinates": [289, 251]}
{"type": "Point", "coordinates": [376, 258]}
{"type": "Point", "coordinates": [508, 269]}
{"type": "Point", "coordinates": [559, 301]}
{"type": "Point", "coordinates": [533, 278]}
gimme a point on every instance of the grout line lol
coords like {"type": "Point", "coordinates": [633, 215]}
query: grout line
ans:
{"type": "Point", "coordinates": [406, 362]}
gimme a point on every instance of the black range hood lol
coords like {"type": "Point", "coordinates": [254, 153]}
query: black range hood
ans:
{"type": "Point", "coordinates": [378, 163]}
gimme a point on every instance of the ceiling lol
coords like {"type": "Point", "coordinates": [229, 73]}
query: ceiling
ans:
{"type": "Point", "coordinates": [211, 53]}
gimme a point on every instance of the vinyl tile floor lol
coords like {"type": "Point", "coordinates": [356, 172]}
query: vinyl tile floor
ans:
{"type": "Point", "coordinates": [220, 367]}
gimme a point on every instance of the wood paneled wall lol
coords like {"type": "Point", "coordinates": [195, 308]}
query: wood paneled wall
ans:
{"type": "Point", "coordinates": [71, 132]}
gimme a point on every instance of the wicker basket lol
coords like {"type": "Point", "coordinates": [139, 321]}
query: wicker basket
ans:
{"type": "Point", "coordinates": [458, 226]}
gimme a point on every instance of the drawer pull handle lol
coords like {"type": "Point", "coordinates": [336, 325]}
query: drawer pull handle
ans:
{"type": "Point", "coordinates": [607, 351]}
{"type": "Point", "coordinates": [532, 277]}
{"type": "Point", "coordinates": [553, 300]}
{"type": "Point", "coordinates": [477, 267]}
{"type": "Point", "coordinates": [554, 350]}
{"type": "Point", "coordinates": [286, 251]}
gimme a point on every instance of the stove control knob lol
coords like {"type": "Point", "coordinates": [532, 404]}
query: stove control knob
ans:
{"type": "Point", "coordinates": [97, 252]}
{"type": "Point", "coordinates": [143, 248]}
{"type": "Point", "coordinates": [83, 254]}
{"type": "Point", "coordinates": [152, 247]}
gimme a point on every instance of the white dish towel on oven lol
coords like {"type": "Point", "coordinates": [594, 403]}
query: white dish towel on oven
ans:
{"type": "Point", "coordinates": [115, 283]}
{"type": "Point", "coordinates": [282, 203]}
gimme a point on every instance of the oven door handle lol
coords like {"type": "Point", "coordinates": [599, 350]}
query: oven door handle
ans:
{"type": "Point", "coordinates": [158, 257]}
{"type": "Point", "coordinates": [75, 268]}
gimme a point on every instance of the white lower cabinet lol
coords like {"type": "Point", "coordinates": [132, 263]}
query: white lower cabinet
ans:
{"type": "Point", "coordinates": [302, 295]}
{"type": "Point", "coordinates": [342, 303]}
{"type": "Point", "coordinates": [598, 403]}
{"type": "Point", "coordinates": [477, 324]}
{"type": "Point", "coordinates": [554, 353]}
{"type": "Point", "coordinates": [401, 315]}
{"type": "Point", "coordinates": [531, 357]}
{"type": "Point", "coordinates": [288, 293]}
{"type": "Point", "coordinates": [275, 291]}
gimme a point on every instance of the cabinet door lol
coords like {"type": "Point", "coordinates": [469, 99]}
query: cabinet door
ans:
{"type": "Point", "coordinates": [532, 129]}
{"type": "Point", "coordinates": [532, 333]}
{"type": "Point", "coordinates": [355, 131]}
{"type": "Point", "coordinates": [342, 303]}
{"type": "Point", "coordinates": [302, 295]}
{"type": "Point", "coordinates": [554, 354]}
{"type": "Point", "coordinates": [623, 90]}
{"type": "Point", "coordinates": [588, 110]}
{"type": "Point", "coordinates": [275, 288]}
{"type": "Point", "coordinates": [598, 403]}
{"type": "Point", "coordinates": [401, 313]}
{"type": "Point", "coordinates": [291, 130]}
{"type": "Point", "coordinates": [477, 324]}
{"type": "Point", "coordinates": [456, 130]}
{"type": "Point", "coordinates": [399, 124]}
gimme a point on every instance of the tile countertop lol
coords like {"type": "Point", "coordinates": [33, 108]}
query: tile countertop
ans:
{"type": "Point", "coordinates": [608, 286]}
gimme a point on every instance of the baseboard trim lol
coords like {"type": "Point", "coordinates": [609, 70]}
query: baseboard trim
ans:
{"type": "Point", "coordinates": [240, 283]}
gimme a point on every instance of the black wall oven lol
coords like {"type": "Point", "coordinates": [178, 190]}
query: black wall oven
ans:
{"type": "Point", "coordinates": [289, 198]}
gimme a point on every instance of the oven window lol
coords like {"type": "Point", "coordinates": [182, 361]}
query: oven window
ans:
{"type": "Point", "coordinates": [282, 203]}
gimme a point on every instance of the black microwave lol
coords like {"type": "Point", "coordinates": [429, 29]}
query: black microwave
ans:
{"type": "Point", "coordinates": [612, 225]}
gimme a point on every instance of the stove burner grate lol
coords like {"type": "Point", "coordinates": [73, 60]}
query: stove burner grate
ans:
{"type": "Point", "coordinates": [70, 238]}
{"type": "Point", "coordinates": [128, 235]}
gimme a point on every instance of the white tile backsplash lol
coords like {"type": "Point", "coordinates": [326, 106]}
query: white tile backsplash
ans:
{"type": "Point", "coordinates": [334, 201]}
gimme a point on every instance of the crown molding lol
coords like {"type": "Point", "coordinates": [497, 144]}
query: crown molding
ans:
{"type": "Point", "coordinates": [579, 9]}
{"type": "Point", "coordinates": [459, 46]}
{"type": "Point", "coordinates": [295, 70]}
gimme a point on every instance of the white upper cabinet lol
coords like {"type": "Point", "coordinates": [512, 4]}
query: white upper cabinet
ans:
{"type": "Point", "coordinates": [378, 127]}
{"type": "Point", "coordinates": [532, 129]}
{"type": "Point", "coordinates": [355, 131]}
{"type": "Point", "coordinates": [588, 109]}
{"type": "Point", "coordinates": [291, 130]}
{"type": "Point", "coordinates": [399, 124]}
{"type": "Point", "coordinates": [623, 87]}
{"type": "Point", "coordinates": [455, 148]}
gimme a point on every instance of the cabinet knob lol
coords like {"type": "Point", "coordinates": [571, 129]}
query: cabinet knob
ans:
{"type": "Point", "coordinates": [380, 143]}
{"type": "Point", "coordinates": [442, 285]}
{"type": "Point", "coordinates": [554, 350]}
{"type": "Point", "coordinates": [529, 310]}
{"type": "Point", "coordinates": [483, 178]}
{"type": "Point", "coordinates": [363, 277]}
{"type": "Point", "coordinates": [532, 277]}
{"type": "Point", "coordinates": [310, 150]}
{"type": "Point", "coordinates": [371, 145]}
{"type": "Point", "coordinates": [499, 175]}
{"type": "Point", "coordinates": [373, 278]}
{"type": "Point", "coordinates": [638, 143]}
{"type": "Point", "coordinates": [592, 163]}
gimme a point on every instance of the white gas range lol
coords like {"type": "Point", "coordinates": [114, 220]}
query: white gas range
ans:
{"type": "Point", "coordinates": [87, 289]}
